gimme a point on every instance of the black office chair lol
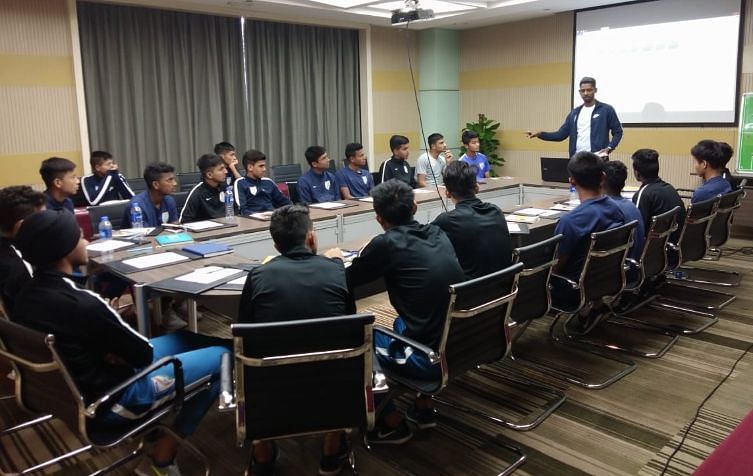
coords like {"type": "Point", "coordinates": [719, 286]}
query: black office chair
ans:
{"type": "Point", "coordinates": [333, 166]}
{"type": "Point", "coordinates": [719, 233]}
{"type": "Point", "coordinates": [377, 178]}
{"type": "Point", "coordinates": [532, 302]}
{"type": "Point", "coordinates": [187, 180]}
{"type": "Point", "coordinates": [180, 200]}
{"type": "Point", "coordinates": [600, 282]}
{"type": "Point", "coordinates": [293, 192]}
{"type": "Point", "coordinates": [474, 333]}
{"type": "Point", "coordinates": [137, 185]}
{"type": "Point", "coordinates": [44, 385]}
{"type": "Point", "coordinates": [113, 210]}
{"type": "Point", "coordinates": [302, 377]}
{"type": "Point", "coordinates": [692, 245]}
{"type": "Point", "coordinates": [285, 173]}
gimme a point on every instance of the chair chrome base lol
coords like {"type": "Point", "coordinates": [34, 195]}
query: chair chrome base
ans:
{"type": "Point", "coordinates": [684, 296]}
{"type": "Point", "coordinates": [671, 318]}
{"type": "Point", "coordinates": [716, 277]}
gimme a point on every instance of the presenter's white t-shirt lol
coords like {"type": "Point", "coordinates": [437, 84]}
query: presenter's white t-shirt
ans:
{"type": "Point", "coordinates": [583, 141]}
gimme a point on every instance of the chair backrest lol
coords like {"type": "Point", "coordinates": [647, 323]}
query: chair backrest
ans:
{"type": "Point", "coordinates": [377, 178]}
{"type": "Point", "coordinates": [603, 274]}
{"type": "Point", "coordinates": [43, 384]}
{"type": "Point", "coordinates": [476, 330]}
{"type": "Point", "coordinates": [534, 298]}
{"type": "Point", "coordinates": [693, 241]}
{"type": "Point", "coordinates": [303, 377]}
{"type": "Point", "coordinates": [721, 225]}
{"type": "Point", "coordinates": [333, 166]}
{"type": "Point", "coordinates": [653, 259]}
{"type": "Point", "coordinates": [737, 181]}
{"type": "Point", "coordinates": [293, 191]}
{"type": "Point", "coordinates": [187, 180]}
{"type": "Point", "coordinates": [180, 199]}
{"type": "Point", "coordinates": [137, 184]}
{"type": "Point", "coordinates": [285, 172]}
{"type": "Point", "coordinates": [113, 210]}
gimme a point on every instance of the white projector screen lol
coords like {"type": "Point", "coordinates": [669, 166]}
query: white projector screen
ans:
{"type": "Point", "coordinates": [663, 61]}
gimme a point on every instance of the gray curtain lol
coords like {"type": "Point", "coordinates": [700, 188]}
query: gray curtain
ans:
{"type": "Point", "coordinates": [161, 85]}
{"type": "Point", "coordinates": [303, 89]}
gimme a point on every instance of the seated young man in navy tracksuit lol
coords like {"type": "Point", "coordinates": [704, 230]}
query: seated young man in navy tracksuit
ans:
{"type": "Point", "coordinates": [596, 212]}
{"type": "Point", "coordinates": [156, 202]}
{"type": "Point", "coordinates": [59, 176]}
{"type": "Point", "coordinates": [298, 284]}
{"type": "Point", "coordinates": [615, 175]}
{"type": "Point", "coordinates": [207, 199]}
{"type": "Point", "coordinates": [418, 264]}
{"type": "Point", "coordinates": [256, 193]}
{"type": "Point", "coordinates": [16, 203]}
{"type": "Point", "coordinates": [318, 184]}
{"type": "Point", "coordinates": [478, 230]}
{"type": "Point", "coordinates": [105, 183]}
{"type": "Point", "coordinates": [354, 180]}
{"type": "Point", "coordinates": [397, 166]}
{"type": "Point", "coordinates": [99, 349]}
{"type": "Point", "coordinates": [709, 160]}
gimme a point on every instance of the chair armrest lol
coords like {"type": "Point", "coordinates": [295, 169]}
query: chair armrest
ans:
{"type": "Point", "coordinates": [569, 281]}
{"type": "Point", "coordinates": [430, 353]}
{"type": "Point", "coordinates": [672, 246]}
{"type": "Point", "coordinates": [91, 409]}
{"type": "Point", "coordinates": [227, 394]}
{"type": "Point", "coordinates": [631, 262]}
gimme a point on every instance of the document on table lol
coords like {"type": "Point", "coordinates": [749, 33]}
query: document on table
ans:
{"type": "Point", "coordinates": [128, 232]}
{"type": "Point", "coordinates": [562, 207]}
{"type": "Point", "coordinates": [328, 205]}
{"type": "Point", "coordinates": [521, 219]}
{"type": "Point", "coordinates": [155, 260]}
{"type": "Point", "coordinates": [208, 274]}
{"type": "Point", "coordinates": [367, 199]}
{"type": "Point", "coordinates": [264, 216]}
{"type": "Point", "coordinates": [108, 245]}
{"type": "Point", "coordinates": [531, 211]}
{"type": "Point", "coordinates": [424, 190]}
{"type": "Point", "coordinates": [202, 225]}
{"type": "Point", "coordinates": [238, 281]}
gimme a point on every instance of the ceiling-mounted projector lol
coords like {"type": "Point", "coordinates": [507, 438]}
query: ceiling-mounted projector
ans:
{"type": "Point", "coordinates": [411, 12]}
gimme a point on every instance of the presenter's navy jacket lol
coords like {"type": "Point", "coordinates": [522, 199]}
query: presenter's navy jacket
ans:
{"type": "Point", "coordinates": [603, 120]}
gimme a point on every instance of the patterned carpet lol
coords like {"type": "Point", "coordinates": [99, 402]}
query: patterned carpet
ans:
{"type": "Point", "coordinates": [628, 428]}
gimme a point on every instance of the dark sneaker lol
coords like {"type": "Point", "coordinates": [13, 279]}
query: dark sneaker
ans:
{"type": "Point", "coordinates": [267, 468]}
{"type": "Point", "coordinates": [390, 436]}
{"type": "Point", "coordinates": [423, 419]}
{"type": "Point", "coordinates": [332, 465]}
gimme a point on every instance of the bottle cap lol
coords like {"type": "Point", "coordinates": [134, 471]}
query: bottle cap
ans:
{"type": "Point", "coordinates": [104, 218]}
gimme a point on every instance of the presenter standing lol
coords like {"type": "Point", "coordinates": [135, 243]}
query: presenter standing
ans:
{"type": "Point", "coordinates": [588, 126]}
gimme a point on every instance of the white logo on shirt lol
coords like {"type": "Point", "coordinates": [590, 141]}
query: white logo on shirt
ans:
{"type": "Point", "coordinates": [222, 197]}
{"type": "Point", "coordinates": [365, 180]}
{"type": "Point", "coordinates": [326, 184]}
{"type": "Point", "coordinates": [165, 217]}
{"type": "Point", "coordinates": [405, 168]}
{"type": "Point", "coordinates": [252, 189]}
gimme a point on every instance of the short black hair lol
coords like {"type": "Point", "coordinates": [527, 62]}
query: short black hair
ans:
{"type": "Point", "coordinates": [99, 156]}
{"type": "Point", "coordinates": [153, 171]}
{"type": "Point", "coordinates": [393, 201]}
{"type": "Point", "coordinates": [587, 80]}
{"type": "Point", "coordinates": [727, 152]}
{"type": "Point", "coordinates": [289, 226]}
{"type": "Point", "coordinates": [586, 169]}
{"type": "Point", "coordinates": [54, 168]}
{"type": "Point", "coordinates": [460, 179]}
{"type": "Point", "coordinates": [646, 163]}
{"type": "Point", "coordinates": [222, 147]}
{"type": "Point", "coordinates": [468, 135]}
{"type": "Point", "coordinates": [398, 141]}
{"type": "Point", "coordinates": [616, 175]}
{"type": "Point", "coordinates": [709, 151]}
{"type": "Point", "coordinates": [252, 156]}
{"type": "Point", "coordinates": [434, 138]}
{"type": "Point", "coordinates": [313, 153]}
{"type": "Point", "coordinates": [207, 162]}
{"type": "Point", "coordinates": [351, 149]}
{"type": "Point", "coordinates": [16, 203]}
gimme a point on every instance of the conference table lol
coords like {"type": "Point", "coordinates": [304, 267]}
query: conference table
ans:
{"type": "Point", "coordinates": [348, 227]}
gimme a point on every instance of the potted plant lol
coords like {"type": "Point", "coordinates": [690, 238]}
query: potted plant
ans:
{"type": "Point", "coordinates": [487, 132]}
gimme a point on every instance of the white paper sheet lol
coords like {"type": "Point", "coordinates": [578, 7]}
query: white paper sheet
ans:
{"type": "Point", "coordinates": [548, 213]}
{"type": "Point", "coordinates": [424, 190]}
{"type": "Point", "coordinates": [126, 232]}
{"type": "Point", "coordinates": [561, 207]}
{"type": "Point", "coordinates": [158, 259]}
{"type": "Point", "coordinates": [108, 245]}
{"type": "Point", "coordinates": [208, 274]}
{"type": "Point", "coordinates": [239, 281]}
{"type": "Point", "coordinates": [367, 199]}
{"type": "Point", "coordinates": [513, 227]}
{"type": "Point", "coordinates": [521, 219]}
{"type": "Point", "coordinates": [202, 225]}
{"type": "Point", "coordinates": [262, 215]}
{"type": "Point", "coordinates": [328, 205]}
{"type": "Point", "coordinates": [531, 211]}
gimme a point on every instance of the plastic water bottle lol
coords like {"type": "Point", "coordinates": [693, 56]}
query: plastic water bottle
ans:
{"type": "Point", "coordinates": [229, 204]}
{"type": "Point", "coordinates": [573, 194]}
{"type": "Point", "coordinates": [105, 228]}
{"type": "Point", "coordinates": [137, 219]}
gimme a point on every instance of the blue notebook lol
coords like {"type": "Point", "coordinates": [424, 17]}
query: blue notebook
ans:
{"type": "Point", "coordinates": [207, 250]}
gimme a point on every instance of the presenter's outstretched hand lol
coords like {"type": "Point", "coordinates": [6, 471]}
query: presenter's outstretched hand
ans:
{"type": "Point", "coordinates": [532, 134]}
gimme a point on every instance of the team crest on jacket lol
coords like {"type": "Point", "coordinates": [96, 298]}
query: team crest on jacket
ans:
{"type": "Point", "coordinates": [326, 184]}
{"type": "Point", "coordinates": [405, 168]}
{"type": "Point", "coordinates": [252, 189]}
{"type": "Point", "coordinates": [222, 197]}
{"type": "Point", "coordinates": [365, 180]}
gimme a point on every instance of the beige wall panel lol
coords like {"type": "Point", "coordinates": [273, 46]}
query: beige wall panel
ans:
{"type": "Point", "coordinates": [34, 27]}
{"type": "Point", "coordinates": [538, 41]}
{"type": "Point", "coordinates": [38, 119]}
{"type": "Point", "coordinates": [543, 107]}
{"type": "Point", "coordinates": [389, 48]}
{"type": "Point", "coordinates": [23, 169]}
{"type": "Point", "coordinates": [395, 112]}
